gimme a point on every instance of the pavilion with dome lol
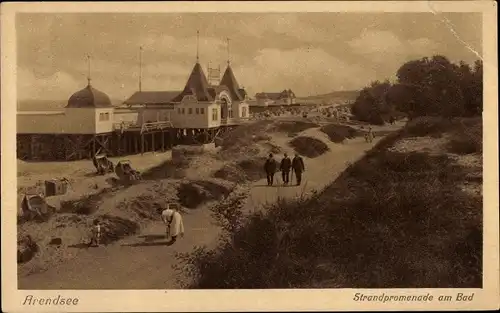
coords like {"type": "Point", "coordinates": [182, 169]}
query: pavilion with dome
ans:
{"type": "Point", "coordinates": [148, 121]}
{"type": "Point", "coordinates": [78, 131]}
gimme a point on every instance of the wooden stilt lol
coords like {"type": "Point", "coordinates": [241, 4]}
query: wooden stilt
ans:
{"type": "Point", "coordinates": [93, 147]}
{"type": "Point", "coordinates": [162, 140]}
{"type": "Point", "coordinates": [142, 143]}
{"type": "Point", "coordinates": [153, 147]}
{"type": "Point", "coordinates": [136, 145]}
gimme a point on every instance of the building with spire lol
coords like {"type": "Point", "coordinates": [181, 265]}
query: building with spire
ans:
{"type": "Point", "coordinates": [148, 120]}
{"type": "Point", "coordinates": [200, 105]}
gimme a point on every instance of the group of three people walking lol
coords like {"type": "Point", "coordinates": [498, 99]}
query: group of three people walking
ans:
{"type": "Point", "coordinates": [296, 165]}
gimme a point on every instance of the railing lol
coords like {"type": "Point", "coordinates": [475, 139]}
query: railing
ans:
{"type": "Point", "coordinates": [144, 128]}
{"type": "Point", "coordinates": [232, 121]}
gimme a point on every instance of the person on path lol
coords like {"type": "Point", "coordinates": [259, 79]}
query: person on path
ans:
{"type": "Point", "coordinates": [95, 240]}
{"type": "Point", "coordinates": [285, 166]}
{"type": "Point", "coordinates": [173, 221]}
{"type": "Point", "coordinates": [270, 168]}
{"type": "Point", "coordinates": [369, 136]}
{"type": "Point", "coordinates": [298, 167]}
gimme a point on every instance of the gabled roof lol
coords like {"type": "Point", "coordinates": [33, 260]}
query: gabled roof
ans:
{"type": "Point", "coordinates": [197, 85]}
{"type": "Point", "coordinates": [89, 97]}
{"type": "Point", "coordinates": [152, 97]}
{"type": "Point", "coordinates": [230, 82]}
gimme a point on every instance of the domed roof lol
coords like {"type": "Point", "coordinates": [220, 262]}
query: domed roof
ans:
{"type": "Point", "coordinates": [89, 97]}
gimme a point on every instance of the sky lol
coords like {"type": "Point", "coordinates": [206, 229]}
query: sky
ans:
{"type": "Point", "coordinates": [310, 53]}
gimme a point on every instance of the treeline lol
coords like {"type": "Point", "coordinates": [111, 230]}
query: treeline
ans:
{"type": "Point", "coordinates": [426, 87]}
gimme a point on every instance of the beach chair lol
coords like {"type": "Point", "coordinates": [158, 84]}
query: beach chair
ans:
{"type": "Point", "coordinates": [125, 172]}
{"type": "Point", "coordinates": [102, 164]}
{"type": "Point", "coordinates": [34, 207]}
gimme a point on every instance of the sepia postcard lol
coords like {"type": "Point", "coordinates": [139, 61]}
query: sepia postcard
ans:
{"type": "Point", "coordinates": [249, 156]}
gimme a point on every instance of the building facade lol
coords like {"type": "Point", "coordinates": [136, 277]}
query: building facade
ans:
{"type": "Point", "coordinates": [147, 121]}
{"type": "Point", "coordinates": [286, 97]}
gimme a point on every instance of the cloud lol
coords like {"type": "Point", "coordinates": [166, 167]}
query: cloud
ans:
{"type": "Point", "coordinates": [385, 52]}
{"type": "Point", "coordinates": [59, 85]}
{"type": "Point", "coordinates": [381, 45]}
{"type": "Point", "coordinates": [285, 24]}
{"type": "Point", "coordinates": [306, 71]}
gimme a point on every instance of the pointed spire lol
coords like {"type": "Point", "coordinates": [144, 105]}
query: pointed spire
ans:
{"type": "Point", "coordinates": [197, 46]}
{"type": "Point", "coordinates": [197, 85]}
{"type": "Point", "coordinates": [88, 69]}
{"type": "Point", "coordinates": [229, 80]}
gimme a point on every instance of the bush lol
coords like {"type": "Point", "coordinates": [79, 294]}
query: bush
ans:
{"type": "Point", "coordinates": [116, 228]}
{"type": "Point", "coordinates": [168, 169]}
{"type": "Point", "coordinates": [27, 248]}
{"type": "Point", "coordinates": [242, 171]}
{"type": "Point", "coordinates": [309, 147]}
{"type": "Point", "coordinates": [293, 127]}
{"type": "Point", "coordinates": [86, 205]}
{"type": "Point", "coordinates": [338, 133]}
{"type": "Point", "coordinates": [193, 194]}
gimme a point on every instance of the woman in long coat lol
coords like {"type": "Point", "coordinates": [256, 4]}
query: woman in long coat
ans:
{"type": "Point", "coordinates": [173, 221]}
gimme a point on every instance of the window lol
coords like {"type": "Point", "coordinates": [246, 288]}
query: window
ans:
{"type": "Point", "coordinates": [190, 111]}
{"type": "Point", "coordinates": [178, 110]}
{"type": "Point", "coordinates": [104, 116]}
{"type": "Point", "coordinates": [183, 111]}
{"type": "Point", "coordinates": [214, 115]}
{"type": "Point", "coordinates": [197, 111]}
{"type": "Point", "coordinates": [202, 110]}
{"type": "Point", "coordinates": [244, 112]}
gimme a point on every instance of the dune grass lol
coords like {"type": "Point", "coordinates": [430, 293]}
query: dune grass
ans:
{"type": "Point", "coordinates": [391, 220]}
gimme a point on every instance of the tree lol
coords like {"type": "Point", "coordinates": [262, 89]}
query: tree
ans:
{"type": "Point", "coordinates": [371, 105]}
{"type": "Point", "coordinates": [438, 86]}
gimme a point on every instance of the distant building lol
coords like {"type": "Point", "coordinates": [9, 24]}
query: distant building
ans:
{"type": "Point", "coordinates": [286, 97]}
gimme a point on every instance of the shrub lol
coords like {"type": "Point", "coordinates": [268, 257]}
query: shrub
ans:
{"type": "Point", "coordinates": [168, 169]}
{"type": "Point", "coordinates": [293, 127]}
{"type": "Point", "coordinates": [193, 194]}
{"type": "Point", "coordinates": [309, 147]}
{"type": "Point", "coordinates": [116, 228]}
{"type": "Point", "coordinates": [242, 171]}
{"type": "Point", "coordinates": [338, 133]}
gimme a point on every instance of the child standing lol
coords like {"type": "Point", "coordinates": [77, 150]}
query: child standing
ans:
{"type": "Point", "coordinates": [96, 234]}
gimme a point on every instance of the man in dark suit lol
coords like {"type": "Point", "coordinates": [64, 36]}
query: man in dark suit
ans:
{"type": "Point", "coordinates": [298, 167]}
{"type": "Point", "coordinates": [285, 166]}
{"type": "Point", "coordinates": [270, 168]}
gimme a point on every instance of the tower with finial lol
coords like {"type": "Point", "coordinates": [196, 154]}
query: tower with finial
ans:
{"type": "Point", "coordinates": [88, 69]}
{"type": "Point", "coordinates": [140, 68]}
{"type": "Point", "coordinates": [197, 46]}
{"type": "Point", "coordinates": [90, 107]}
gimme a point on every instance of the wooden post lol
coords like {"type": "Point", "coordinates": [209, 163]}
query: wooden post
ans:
{"type": "Point", "coordinates": [162, 140]}
{"type": "Point", "coordinates": [142, 143]}
{"type": "Point", "coordinates": [93, 147]}
{"type": "Point", "coordinates": [136, 145]}
{"type": "Point", "coordinates": [153, 147]}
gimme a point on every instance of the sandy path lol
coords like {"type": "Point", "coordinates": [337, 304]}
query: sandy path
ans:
{"type": "Point", "coordinates": [135, 263]}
